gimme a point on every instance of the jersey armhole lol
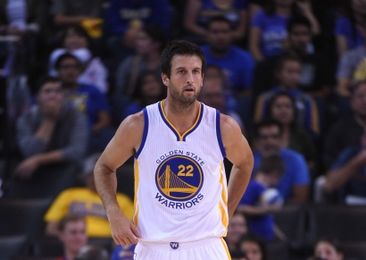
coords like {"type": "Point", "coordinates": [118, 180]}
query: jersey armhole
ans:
{"type": "Point", "coordinates": [218, 133]}
{"type": "Point", "coordinates": [144, 134]}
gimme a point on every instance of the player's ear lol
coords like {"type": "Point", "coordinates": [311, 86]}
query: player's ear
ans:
{"type": "Point", "coordinates": [165, 79]}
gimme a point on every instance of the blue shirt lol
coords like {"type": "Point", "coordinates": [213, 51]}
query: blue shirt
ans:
{"type": "Point", "coordinates": [344, 27]}
{"type": "Point", "coordinates": [237, 64]}
{"type": "Point", "coordinates": [261, 226]}
{"type": "Point", "coordinates": [91, 100]}
{"type": "Point", "coordinates": [209, 9]}
{"type": "Point", "coordinates": [122, 14]}
{"type": "Point", "coordinates": [357, 184]}
{"type": "Point", "coordinates": [296, 171]}
{"type": "Point", "coordinates": [274, 32]}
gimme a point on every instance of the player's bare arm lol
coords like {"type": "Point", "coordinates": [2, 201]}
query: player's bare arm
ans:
{"type": "Point", "coordinates": [121, 147]}
{"type": "Point", "coordinates": [240, 155]}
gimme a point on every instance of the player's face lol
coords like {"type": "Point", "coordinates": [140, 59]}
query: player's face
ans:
{"type": "Point", "coordinates": [326, 251]}
{"type": "Point", "coordinates": [186, 79]}
{"type": "Point", "coordinates": [74, 235]}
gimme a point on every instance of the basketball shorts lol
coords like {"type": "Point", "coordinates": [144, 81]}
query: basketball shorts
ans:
{"type": "Point", "coordinates": [211, 248]}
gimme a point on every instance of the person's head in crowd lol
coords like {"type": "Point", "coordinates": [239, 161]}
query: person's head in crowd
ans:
{"type": "Point", "coordinates": [149, 88]}
{"type": "Point", "coordinates": [282, 108]}
{"type": "Point", "coordinates": [270, 170]}
{"type": "Point", "coordinates": [268, 137]}
{"type": "Point", "coordinates": [150, 40]}
{"type": "Point", "coordinates": [72, 233]}
{"type": "Point", "coordinates": [220, 34]}
{"type": "Point", "coordinates": [214, 71]}
{"type": "Point", "coordinates": [299, 34]}
{"type": "Point", "coordinates": [358, 99]}
{"type": "Point", "coordinates": [236, 229]}
{"type": "Point", "coordinates": [68, 68]}
{"type": "Point", "coordinates": [50, 92]}
{"type": "Point", "coordinates": [288, 71]}
{"type": "Point", "coordinates": [90, 252]}
{"type": "Point", "coordinates": [75, 38]}
{"type": "Point", "coordinates": [253, 247]}
{"type": "Point", "coordinates": [213, 91]}
{"type": "Point", "coordinates": [327, 249]}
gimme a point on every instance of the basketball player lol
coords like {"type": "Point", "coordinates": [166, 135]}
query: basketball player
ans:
{"type": "Point", "coordinates": [182, 203]}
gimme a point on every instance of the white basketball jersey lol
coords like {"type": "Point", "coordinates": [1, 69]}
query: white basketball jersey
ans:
{"type": "Point", "coordinates": [180, 181]}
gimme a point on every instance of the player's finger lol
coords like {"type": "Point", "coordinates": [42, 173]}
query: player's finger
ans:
{"type": "Point", "coordinates": [135, 230]}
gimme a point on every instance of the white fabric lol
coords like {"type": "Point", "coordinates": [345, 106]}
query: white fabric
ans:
{"type": "Point", "coordinates": [182, 193]}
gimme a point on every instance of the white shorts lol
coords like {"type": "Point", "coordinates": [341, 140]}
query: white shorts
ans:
{"type": "Point", "coordinates": [210, 248]}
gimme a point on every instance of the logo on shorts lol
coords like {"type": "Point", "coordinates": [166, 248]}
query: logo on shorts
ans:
{"type": "Point", "coordinates": [179, 178]}
{"type": "Point", "coordinates": [174, 245]}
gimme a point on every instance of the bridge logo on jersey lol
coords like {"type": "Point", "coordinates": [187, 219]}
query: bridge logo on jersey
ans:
{"type": "Point", "coordinates": [179, 178]}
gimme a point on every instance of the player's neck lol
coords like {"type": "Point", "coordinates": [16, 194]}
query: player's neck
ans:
{"type": "Point", "coordinates": [182, 117]}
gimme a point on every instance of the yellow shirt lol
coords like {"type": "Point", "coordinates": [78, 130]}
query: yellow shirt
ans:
{"type": "Point", "coordinates": [85, 202]}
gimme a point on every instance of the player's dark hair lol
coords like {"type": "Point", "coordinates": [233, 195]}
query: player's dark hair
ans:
{"type": "Point", "coordinates": [180, 47]}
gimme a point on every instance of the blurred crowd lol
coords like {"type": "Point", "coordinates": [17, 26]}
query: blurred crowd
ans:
{"type": "Point", "coordinates": [291, 72]}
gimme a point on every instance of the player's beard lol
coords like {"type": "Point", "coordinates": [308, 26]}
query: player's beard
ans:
{"type": "Point", "coordinates": [182, 98]}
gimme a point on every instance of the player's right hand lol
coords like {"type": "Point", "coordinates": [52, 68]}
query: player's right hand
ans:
{"type": "Point", "coordinates": [124, 231]}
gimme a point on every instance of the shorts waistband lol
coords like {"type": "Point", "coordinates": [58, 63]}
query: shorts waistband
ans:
{"type": "Point", "coordinates": [178, 244]}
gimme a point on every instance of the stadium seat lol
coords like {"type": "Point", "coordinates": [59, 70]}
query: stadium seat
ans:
{"type": "Point", "coordinates": [20, 216]}
{"type": "Point", "coordinates": [346, 223]}
{"type": "Point", "coordinates": [291, 221]}
{"type": "Point", "coordinates": [11, 246]}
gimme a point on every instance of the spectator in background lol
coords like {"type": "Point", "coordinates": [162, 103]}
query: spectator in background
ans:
{"type": "Point", "coordinates": [88, 99]}
{"type": "Point", "coordinates": [52, 138]}
{"type": "Point", "coordinates": [282, 108]}
{"type": "Point", "coordinates": [76, 41]}
{"type": "Point", "coordinates": [72, 233]}
{"type": "Point", "coordinates": [199, 13]}
{"type": "Point", "coordinates": [347, 176]}
{"type": "Point", "coordinates": [236, 229]}
{"type": "Point", "coordinates": [288, 79]}
{"type": "Point", "coordinates": [149, 44]}
{"type": "Point", "coordinates": [255, 206]}
{"type": "Point", "coordinates": [348, 130]}
{"type": "Point", "coordinates": [326, 249]}
{"type": "Point", "coordinates": [70, 12]}
{"type": "Point", "coordinates": [268, 28]}
{"type": "Point", "coordinates": [237, 64]}
{"type": "Point", "coordinates": [294, 183]}
{"type": "Point", "coordinates": [149, 90]}
{"type": "Point", "coordinates": [253, 248]}
{"type": "Point", "coordinates": [84, 201]}
{"type": "Point", "coordinates": [352, 65]}
{"type": "Point", "coordinates": [347, 31]}
{"type": "Point", "coordinates": [215, 93]}
{"type": "Point", "coordinates": [124, 20]}
{"type": "Point", "coordinates": [316, 75]}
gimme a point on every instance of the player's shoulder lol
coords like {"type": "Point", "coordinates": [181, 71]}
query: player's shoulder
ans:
{"type": "Point", "coordinates": [133, 121]}
{"type": "Point", "coordinates": [228, 123]}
